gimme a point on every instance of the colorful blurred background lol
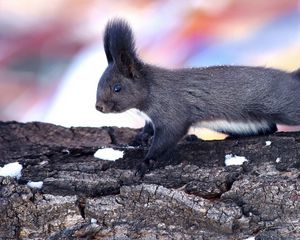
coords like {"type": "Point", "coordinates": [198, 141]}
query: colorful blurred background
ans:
{"type": "Point", "coordinates": [51, 53]}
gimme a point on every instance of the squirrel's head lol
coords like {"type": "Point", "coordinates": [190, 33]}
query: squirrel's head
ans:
{"type": "Point", "coordinates": [122, 85]}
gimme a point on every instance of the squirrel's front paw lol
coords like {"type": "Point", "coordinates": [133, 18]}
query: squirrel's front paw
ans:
{"type": "Point", "coordinates": [141, 139]}
{"type": "Point", "coordinates": [144, 167]}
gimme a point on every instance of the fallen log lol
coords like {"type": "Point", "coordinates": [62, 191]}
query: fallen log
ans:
{"type": "Point", "coordinates": [195, 196]}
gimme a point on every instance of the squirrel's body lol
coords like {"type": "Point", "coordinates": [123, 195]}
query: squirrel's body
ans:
{"type": "Point", "coordinates": [236, 100]}
{"type": "Point", "coordinates": [231, 99]}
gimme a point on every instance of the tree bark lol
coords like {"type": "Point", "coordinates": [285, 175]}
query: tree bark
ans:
{"type": "Point", "coordinates": [194, 196]}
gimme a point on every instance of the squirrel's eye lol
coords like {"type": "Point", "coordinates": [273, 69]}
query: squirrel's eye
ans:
{"type": "Point", "coordinates": [117, 87]}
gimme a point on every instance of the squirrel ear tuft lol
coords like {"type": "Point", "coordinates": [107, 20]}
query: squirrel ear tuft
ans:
{"type": "Point", "coordinates": [119, 47]}
{"type": "Point", "coordinates": [106, 41]}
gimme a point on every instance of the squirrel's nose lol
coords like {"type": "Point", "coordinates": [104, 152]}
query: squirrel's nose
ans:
{"type": "Point", "coordinates": [99, 107]}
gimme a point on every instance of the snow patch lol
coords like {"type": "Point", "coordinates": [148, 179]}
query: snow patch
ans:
{"type": "Point", "coordinates": [66, 151]}
{"type": "Point", "coordinates": [108, 154]}
{"type": "Point", "coordinates": [43, 163]}
{"type": "Point", "coordinates": [131, 147]}
{"type": "Point", "coordinates": [250, 238]}
{"type": "Point", "coordinates": [11, 170]}
{"type": "Point", "coordinates": [278, 160]}
{"type": "Point", "coordinates": [268, 143]}
{"type": "Point", "coordinates": [234, 160]}
{"type": "Point", "coordinates": [93, 220]}
{"type": "Point", "coordinates": [38, 185]}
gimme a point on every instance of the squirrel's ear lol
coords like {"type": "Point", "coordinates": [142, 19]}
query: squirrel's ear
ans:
{"type": "Point", "coordinates": [120, 47]}
{"type": "Point", "coordinates": [127, 64]}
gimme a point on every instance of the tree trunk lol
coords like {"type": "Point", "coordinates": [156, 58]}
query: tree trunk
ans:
{"type": "Point", "coordinates": [194, 196]}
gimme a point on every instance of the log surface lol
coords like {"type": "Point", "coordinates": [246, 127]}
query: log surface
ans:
{"type": "Point", "coordinates": [193, 197]}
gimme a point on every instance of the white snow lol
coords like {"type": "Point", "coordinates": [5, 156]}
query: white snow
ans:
{"type": "Point", "coordinates": [278, 160]}
{"type": "Point", "coordinates": [131, 147]}
{"type": "Point", "coordinates": [268, 143]}
{"type": "Point", "coordinates": [108, 154]}
{"type": "Point", "coordinates": [66, 151]}
{"type": "Point", "coordinates": [250, 238]}
{"type": "Point", "coordinates": [93, 220]}
{"type": "Point", "coordinates": [35, 184]}
{"type": "Point", "coordinates": [234, 160]}
{"type": "Point", "coordinates": [11, 169]}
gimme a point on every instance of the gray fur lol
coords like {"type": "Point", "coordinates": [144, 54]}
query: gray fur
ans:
{"type": "Point", "coordinates": [177, 99]}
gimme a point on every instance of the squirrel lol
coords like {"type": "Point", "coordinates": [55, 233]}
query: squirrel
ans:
{"type": "Point", "coordinates": [235, 100]}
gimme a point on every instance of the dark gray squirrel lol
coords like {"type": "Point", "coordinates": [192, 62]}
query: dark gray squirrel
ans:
{"type": "Point", "coordinates": [236, 100]}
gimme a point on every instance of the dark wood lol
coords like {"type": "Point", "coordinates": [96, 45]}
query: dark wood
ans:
{"type": "Point", "coordinates": [194, 196]}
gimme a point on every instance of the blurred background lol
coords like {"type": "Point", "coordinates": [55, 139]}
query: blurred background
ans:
{"type": "Point", "coordinates": [51, 53]}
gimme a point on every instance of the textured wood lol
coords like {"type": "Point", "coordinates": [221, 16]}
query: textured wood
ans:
{"type": "Point", "coordinates": [193, 197]}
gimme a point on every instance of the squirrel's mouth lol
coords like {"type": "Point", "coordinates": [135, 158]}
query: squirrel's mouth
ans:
{"type": "Point", "coordinates": [116, 109]}
{"type": "Point", "coordinates": [113, 108]}
{"type": "Point", "coordinates": [109, 108]}
{"type": "Point", "coordinates": [105, 108]}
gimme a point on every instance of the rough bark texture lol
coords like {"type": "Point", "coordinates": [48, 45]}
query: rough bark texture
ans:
{"type": "Point", "coordinates": [193, 197]}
